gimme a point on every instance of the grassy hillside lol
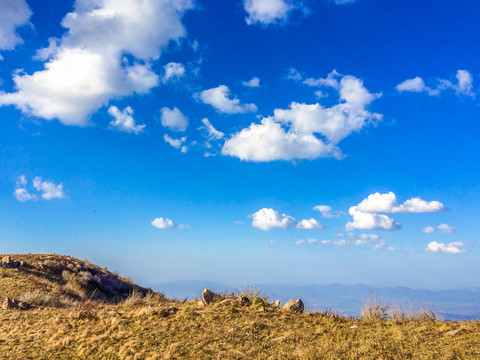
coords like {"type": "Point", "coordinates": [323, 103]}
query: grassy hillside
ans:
{"type": "Point", "coordinates": [152, 327]}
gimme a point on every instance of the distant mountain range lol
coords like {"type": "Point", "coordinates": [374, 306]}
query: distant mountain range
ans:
{"type": "Point", "coordinates": [347, 300]}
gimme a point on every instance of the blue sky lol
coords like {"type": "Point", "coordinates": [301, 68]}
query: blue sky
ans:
{"type": "Point", "coordinates": [256, 141]}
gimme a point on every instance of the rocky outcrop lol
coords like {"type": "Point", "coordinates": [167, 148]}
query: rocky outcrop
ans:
{"type": "Point", "coordinates": [7, 262]}
{"type": "Point", "coordinates": [209, 297]}
{"type": "Point", "coordinates": [296, 306]}
{"type": "Point", "coordinates": [14, 304]}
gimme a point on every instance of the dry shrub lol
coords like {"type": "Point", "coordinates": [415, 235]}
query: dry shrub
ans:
{"type": "Point", "coordinates": [137, 298]}
{"type": "Point", "coordinates": [47, 299]}
{"type": "Point", "coordinates": [376, 310]}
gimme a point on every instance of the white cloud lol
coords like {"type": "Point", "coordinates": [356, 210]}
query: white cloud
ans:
{"type": "Point", "coordinates": [253, 82]}
{"type": "Point", "coordinates": [452, 248]}
{"type": "Point", "coordinates": [370, 221]}
{"type": "Point", "coordinates": [366, 214]}
{"type": "Point", "coordinates": [428, 230]}
{"type": "Point", "coordinates": [219, 98]}
{"type": "Point", "coordinates": [13, 14]}
{"type": "Point", "coordinates": [412, 85]}
{"type": "Point", "coordinates": [87, 67]}
{"type": "Point", "coordinates": [174, 119]}
{"type": "Point", "coordinates": [161, 223]}
{"type": "Point", "coordinates": [326, 211]}
{"type": "Point", "coordinates": [290, 133]}
{"type": "Point", "coordinates": [344, 2]}
{"type": "Point", "coordinates": [387, 203]}
{"type": "Point", "coordinates": [446, 229]}
{"type": "Point", "coordinates": [268, 219]}
{"type": "Point", "coordinates": [212, 133]}
{"type": "Point", "coordinates": [269, 141]}
{"type": "Point", "coordinates": [267, 11]}
{"type": "Point", "coordinates": [329, 81]}
{"type": "Point", "coordinates": [337, 122]}
{"type": "Point", "coordinates": [382, 245]}
{"type": "Point", "coordinates": [21, 194]}
{"type": "Point", "coordinates": [365, 238]}
{"type": "Point", "coordinates": [177, 143]}
{"type": "Point", "coordinates": [173, 70]}
{"type": "Point", "coordinates": [124, 121]}
{"type": "Point", "coordinates": [341, 242]}
{"type": "Point", "coordinates": [310, 224]}
{"type": "Point", "coordinates": [463, 86]}
{"type": "Point", "coordinates": [48, 189]}
{"type": "Point", "coordinates": [294, 74]}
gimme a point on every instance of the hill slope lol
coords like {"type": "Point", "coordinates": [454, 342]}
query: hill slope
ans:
{"type": "Point", "coordinates": [60, 280]}
{"type": "Point", "coordinates": [149, 326]}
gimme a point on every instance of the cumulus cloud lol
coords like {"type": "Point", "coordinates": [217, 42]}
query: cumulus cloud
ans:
{"type": "Point", "coordinates": [370, 221]}
{"type": "Point", "coordinates": [291, 133]}
{"type": "Point", "coordinates": [124, 121]}
{"type": "Point", "coordinates": [174, 119]}
{"type": "Point", "coordinates": [446, 229]}
{"type": "Point", "coordinates": [45, 189]}
{"type": "Point", "coordinates": [265, 12]}
{"type": "Point", "coordinates": [413, 85]}
{"type": "Point", "coordinates": [161, 223]}
{"type": "Point", "coordinates": [22, 194]}
{"type": "Point", "coordinates": [367, 215]}
{"type": "Point", "coordinates": [13, 14]}
{"type": "Point", "coordinates": [173, 71]}
{"type": "Point", "coordinates": [310, 224]}
{"type": "Point", "coordinates": [177, 143]}
{"type": "Point", "coordinates": [451, 248]}
{"type": "Point", "coordinates": [267, 219]}
{"type": "Point", "coordinates": [269, 141]}
{"type": "Point", "coordinates": [326, 211]}
{"type": "Point", "coordinates": [48, 189]}
{"type": "Point", "coordinates": [220, 99]}
{"type": "Point", "coordinates": [387, 203]}
{"type": "Point", "coordinates": [463, 86]}
{"type": "Point", "coordinates": [253, 82]}
{"type": "Point", "coordinates": [428, 230]}
{"type": "Point", "coordinates": [87, 67]}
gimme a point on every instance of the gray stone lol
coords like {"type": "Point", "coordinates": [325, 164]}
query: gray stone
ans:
{"type": "Point", "coordinates": [296, 306]}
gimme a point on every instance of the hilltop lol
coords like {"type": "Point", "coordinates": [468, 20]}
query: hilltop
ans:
{"type": "Point", "coordinates": [60, 280]}
{"type": "Point", "coordinates": [104, 315]}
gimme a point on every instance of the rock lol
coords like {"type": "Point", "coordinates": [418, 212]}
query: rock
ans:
{"type": "Point", "coordinates": [14, 304]}
{"type": "Point", "coordinates": [277, 303]}
{"type": "Point", "coordinates": [243, 300]}
{"type": "Point", "coordinates": [6, 260]}
{"type": "Point", "coordinates": [209, 297]}
{"type": "Point", "coordinates": [296, 306]}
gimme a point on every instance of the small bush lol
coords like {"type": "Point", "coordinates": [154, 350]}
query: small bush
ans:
{"type": "Point", "coordinates": [376, 310]}
{"type": "Point", "coordinates": [47, 299]}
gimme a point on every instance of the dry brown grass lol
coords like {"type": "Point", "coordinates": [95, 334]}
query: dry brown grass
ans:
{"type": "Point", "coordinates": [152, 327]}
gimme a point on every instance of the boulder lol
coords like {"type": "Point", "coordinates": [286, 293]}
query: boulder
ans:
{"type": "Point", "coordinates": [277, 303]}
{"type": "Point", "coordinates": [6, 260]}
{"type": "Point", "coordinates": [209, 297]}
{"type": "Point", "coordinates": [296, 306]}
{"type": "Point", "coordinates": [13, 304]}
